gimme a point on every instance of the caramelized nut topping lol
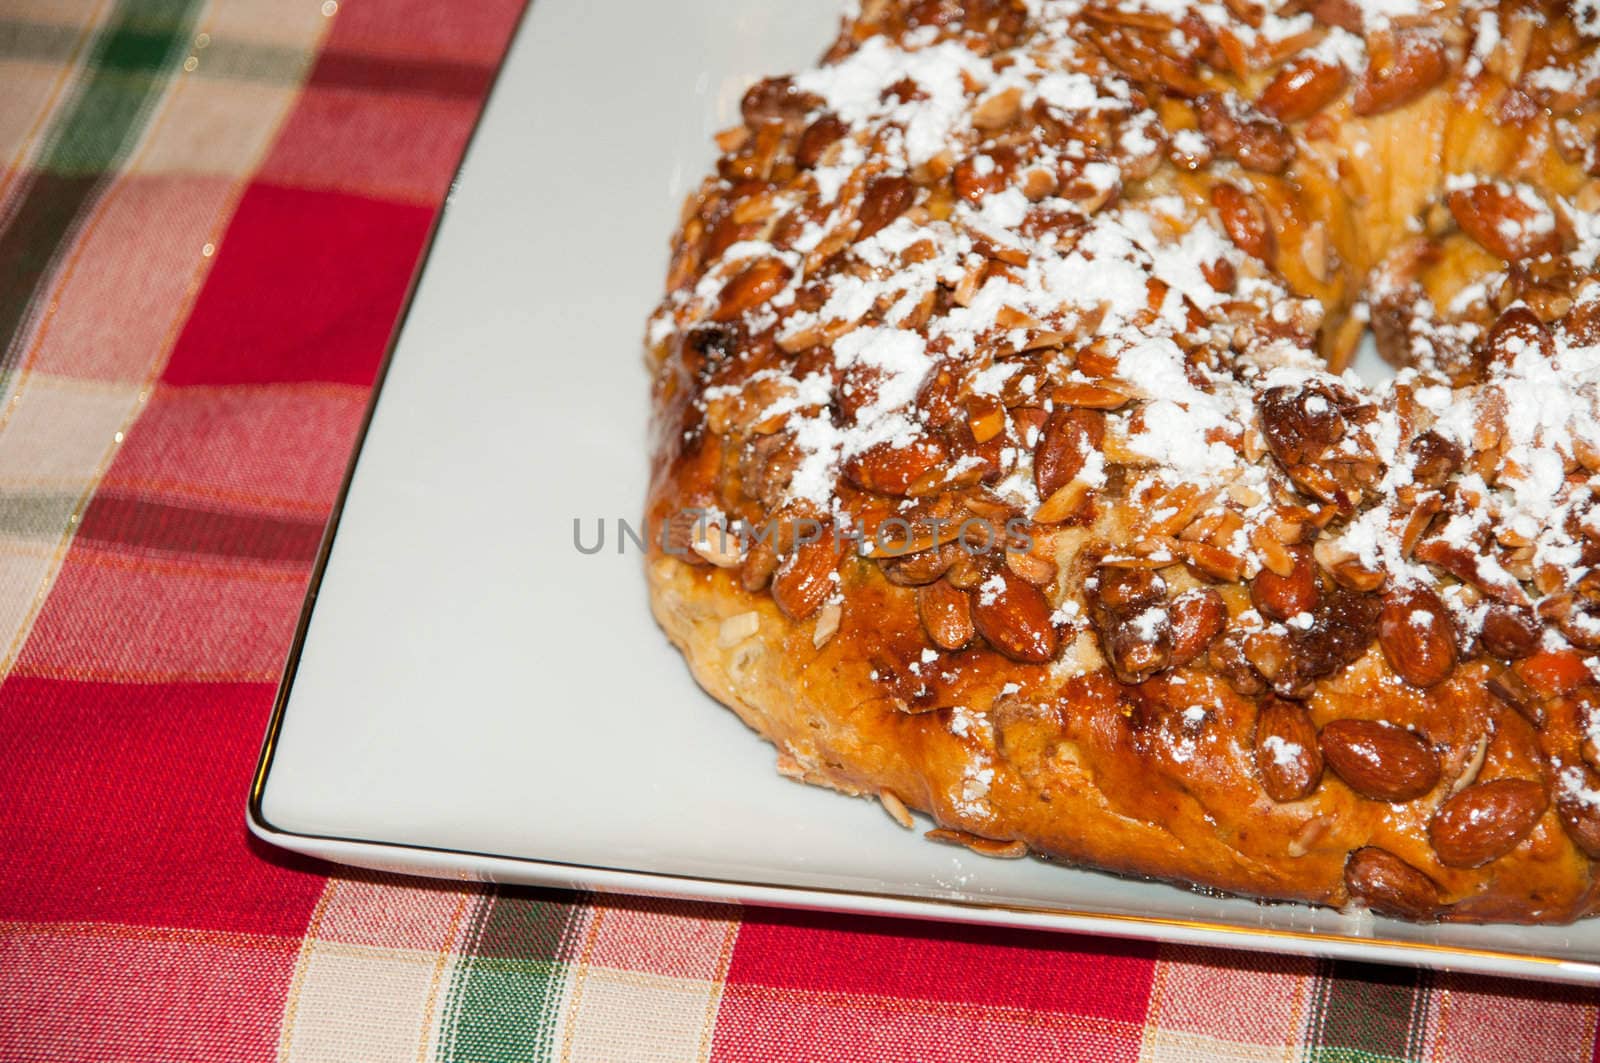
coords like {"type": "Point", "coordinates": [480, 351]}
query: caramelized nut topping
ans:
{"type": "Point", "coordinates": [758, 283]}
{"type": "Point", "coordinates": [818, 137]}
{"type": "Point", "coordinates": [1257, 141]}
{"type": "Point", "coordinates": [1069, 437]}
{"type": "Point", "coordinates": [1413, 63]}
{"type": "Point", "coordinates": [1579, 816]}
{"type": "Point", "coordinates": [1512, 224]}
{"type": "Point", "coordinates": [1379, 760]}
{"type": "Point", "coordinates": [1300, 423]}
{"type": "Point", "coordinates": [806, 577]}
{"type": "Point", "coordinates": [1417, 637]}
{"type": "Point", "coordinates": [1067, 272]}
{"type": "Point", "coordinates": [1196, 617]}
{"type": "Point", "coordinates": [1510, 632]}
{"type": "Point", "coordinates": [1434, 459]}
{"type": "Point", "coordinates": [1486, 821]}
{"type": "Point", "coordinates": [1244, 219]}
{"type": "Point", "coordinates": [1285, 596]}
{"type": "Point", "coordinates": [887, 198]}
{"type": "Point", "coordinates": [1013, 616]}
{"type": "Point", "coordinates": [1302, 88]}
{"type": "Point", "coordinates": [946, 614]}
{"type": "Point", "coordinates": [1389, 886]}
{"type": "Point", "coordinates": [1129, 609]}
{"type": "Point", "coordinates": [1288, 760]}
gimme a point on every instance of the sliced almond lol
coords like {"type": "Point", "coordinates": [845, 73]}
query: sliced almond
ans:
{"type": "Point", "coordinates": [718, 545]}
{"type": "Point", "coordinates": [993, 847]}
{"type": "Point", "coordinates": [1063, 503]}
{"type": "Point", "coordinates": [735, 629]}
{"type": "Point", "coordinates": [827, 624]}
{"type": "Point", "coordinates": [896, 808]}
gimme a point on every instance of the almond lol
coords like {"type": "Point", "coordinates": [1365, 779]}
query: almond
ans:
{"type": "Point", "coordinates": [828, 618]}
{"type": "Point", "coordinates": [1302, 88]}
{"type": "Point", "coordinates": [974, 181]}
{"type": "Point", "coordinates": [1379, 760]}
{"type": "Point", "coordinates": [1221, 275]}
{"type": "Point", "coordinates": [999, 110]}
{"type": "Point", "coordinates": [1486, 821]}
{"type": "Point", "coordinates": [1389, 886]}
{"type": "Point", "coordinates": [1039, 571]}
{"type": "Point", "coordinates": [890, 469]}
{"type": "Point", "coordinates": [1090, 396]}
{"type": "Point", "coordinates": [1504, 222]}
{"type": "Point", "coordinates": [776, 99]}
{"type": "Point", "coordinates": [915, 570]}
{"type": "Point", "coordinates": [1287, 757]}
{"type": "Point", "coordinates": [818, 137]}
{"type": "Point", "coordinates": [759, 282]}
{"type": "Point", "coordinates": [1581, 818]}
{"type": "Point", "coordinates": [1417, 636]}
{"type": "Point", "coordinates": [886, 199]}
{"type": "Point", "coordinates": [1510, 632]}
{"type": "Point", "coordinates": [759, 565]}
{"type": "Point", "coordinates": [986, 418]}
{"type": "Point", "coordinates": [1252, 139]}
{"type": "Point", "coordinates": [1344, 14]}
{"type": "Point", "coordinates": [806, 577]}
{"type": "Point", "coordinates": [993, 847]}
{"type": "Point", "coordinates": [946, 614]}
{"type": "Point", "coordinates": [1268, 653]}
{"type": "Point", "coordinates": [1434, 458]}
{"type": "Point", "coordinates": [1063, 503]}
{"type": "Point", "coordinates": [1197, 618]}
{"type": "Point", "coordinates": [1518, 329]}
{"type": "Point", "coordinates": [1576, 616]}
{"type": "Point", "coordinates": [1415, 63]}
{"type": "Point", "coordinates": [1299, 423]}
{"type": "Point", "coordinates": [1517, 694]}
{"type": "Point", "coordinates": [1282, 597]}
{"type": "Point", "coordinates": [1244, 218]}
{"type": "Point", "coordinates": [1014, 616]}
{"type": "Point", "coordinates": [718, 545]}
{"type": "Point", "coordinates": [1214, 562]}
{"type": "Point", "coordinates": [1064, 445]}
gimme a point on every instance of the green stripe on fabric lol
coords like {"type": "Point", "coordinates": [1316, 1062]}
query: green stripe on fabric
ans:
{"type": "Point", "coordinates": [504, 1000]}
{"type": "Point", "coordinates": [225, 58]}
{"type": "Point", "coordinates": [1367, 1013]}
{"type": "Point", "coordinates": [132, 61]}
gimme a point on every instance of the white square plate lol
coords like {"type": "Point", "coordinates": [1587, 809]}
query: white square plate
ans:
{"type": "Point", "coordinates": [474, 697]}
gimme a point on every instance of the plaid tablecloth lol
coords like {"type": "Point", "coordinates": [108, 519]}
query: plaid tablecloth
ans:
{"type": "Point", "coordinates": [209, 213]}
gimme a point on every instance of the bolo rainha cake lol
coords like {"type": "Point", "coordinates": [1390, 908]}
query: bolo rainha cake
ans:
{"type": "Point", "coordinates": [1007, 467]}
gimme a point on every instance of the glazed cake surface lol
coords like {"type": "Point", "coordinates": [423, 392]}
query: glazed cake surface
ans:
{"type": "Point", "coordinates": [1007, 467]}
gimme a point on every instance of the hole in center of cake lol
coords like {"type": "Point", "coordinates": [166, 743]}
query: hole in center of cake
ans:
{"type": "Point", "coordinates": [1369, 364]}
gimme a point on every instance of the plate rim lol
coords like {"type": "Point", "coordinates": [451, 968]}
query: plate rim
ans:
{"type": "Point", "coordinates": [460, 864]}
{"type": "Point", "coordinates": [498, 869]}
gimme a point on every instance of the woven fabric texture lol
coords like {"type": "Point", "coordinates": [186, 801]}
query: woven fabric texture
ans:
{"type": "Point", "coordinates": [210, 211]}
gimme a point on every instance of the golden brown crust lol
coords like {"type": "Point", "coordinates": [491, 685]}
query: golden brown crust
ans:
{"type": "Point", "coordinates": [1221, 618]}
{"type": "Point", "coordinates": [1090, 775]}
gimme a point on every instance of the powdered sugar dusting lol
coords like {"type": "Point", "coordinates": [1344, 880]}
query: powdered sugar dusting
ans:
{"type": "Point", "coordinates": [1060, 276]}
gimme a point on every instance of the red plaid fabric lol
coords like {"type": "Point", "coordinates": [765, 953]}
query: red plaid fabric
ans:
{"type": "Point", "coordinates": [209, 215]}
